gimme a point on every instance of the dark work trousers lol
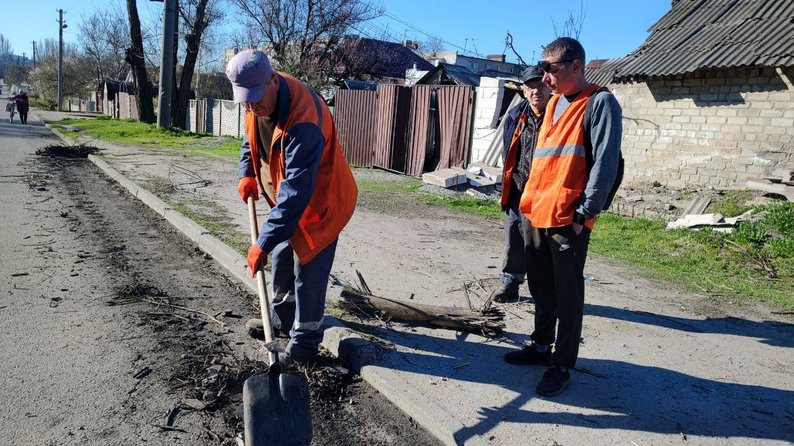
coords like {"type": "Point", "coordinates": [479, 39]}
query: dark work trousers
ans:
{"type": "Point", "coordinates": [23, 114]}
{"type": "Point", "coordinates": [514, 267]}
{"type": "Point", "coordinates": [556, 281]}
{"type": "Point", "coordinates": [299, 293]}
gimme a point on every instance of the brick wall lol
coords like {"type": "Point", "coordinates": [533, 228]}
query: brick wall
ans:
{"type": "Point", "coordinates": [713, 127]}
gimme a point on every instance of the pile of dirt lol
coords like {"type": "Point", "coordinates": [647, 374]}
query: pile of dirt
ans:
{"type": "Point", "coordinates": [79, 151]}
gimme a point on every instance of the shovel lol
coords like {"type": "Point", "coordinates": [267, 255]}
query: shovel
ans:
{"type": "Point", "coordinates": [275, 404]}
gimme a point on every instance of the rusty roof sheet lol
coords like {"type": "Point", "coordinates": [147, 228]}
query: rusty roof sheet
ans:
{"type": "Point", "coordinates": [698, 34]}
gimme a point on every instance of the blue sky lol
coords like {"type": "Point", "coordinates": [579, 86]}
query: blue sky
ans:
{"type": "Point", "coordinates": [612, 28]}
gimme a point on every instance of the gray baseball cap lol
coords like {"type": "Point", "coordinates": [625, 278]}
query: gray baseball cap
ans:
{"type": "Point", "coordinates": [249, 71]}
{"type": "Point", "coordinates": [530, 73]}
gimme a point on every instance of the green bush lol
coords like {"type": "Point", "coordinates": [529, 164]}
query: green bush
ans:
{"type": "Point", "coordinates": [43, 103]}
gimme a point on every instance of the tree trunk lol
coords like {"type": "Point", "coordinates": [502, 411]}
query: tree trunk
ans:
{"type": "Point", "coordinates": [174, 82]}
{"type": "Point", "coordinates": [193, 45]}
{"type": "Point", "coordinates": [135, 57]}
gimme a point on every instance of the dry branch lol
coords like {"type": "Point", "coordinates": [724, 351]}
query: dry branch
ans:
{"type": "Point", "coordinates": [488, 321]}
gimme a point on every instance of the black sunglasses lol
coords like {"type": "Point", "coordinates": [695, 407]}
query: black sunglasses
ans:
{"type": "Point", "coordinates": [545, 65]}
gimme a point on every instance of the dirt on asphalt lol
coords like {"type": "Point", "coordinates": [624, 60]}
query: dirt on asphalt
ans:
{"type": "Point", "coordinates": [181, 318]}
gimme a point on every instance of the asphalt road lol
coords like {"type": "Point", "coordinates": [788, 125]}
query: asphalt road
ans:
{"type": "Point", "coordinates": [117, 331]}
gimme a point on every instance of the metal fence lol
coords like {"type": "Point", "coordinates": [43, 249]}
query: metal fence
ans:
{"type": "Point", "coordinates": [409, 130]}
{"type": "Point", "coordinates": [405, 129]}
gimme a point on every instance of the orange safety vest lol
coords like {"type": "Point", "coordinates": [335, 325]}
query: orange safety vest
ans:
{"type": "Point", "coordinates": [559, 167]}
{"type": "Point", "coordinates": [335, 190]}
{"type": "Point", "coordinates": [510, 159]}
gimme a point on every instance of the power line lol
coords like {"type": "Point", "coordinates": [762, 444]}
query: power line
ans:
{"type": "Point", "coordinates": [428, 34]}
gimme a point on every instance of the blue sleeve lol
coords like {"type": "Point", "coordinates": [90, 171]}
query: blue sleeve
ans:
{"type": "Point", "coordinates": [303, 150]}
{"type": "Point", "coordinates": [606, 130]}
{"type": "Point", "coordinates": [246, 166]}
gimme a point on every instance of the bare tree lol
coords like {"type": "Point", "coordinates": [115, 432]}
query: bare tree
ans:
{"type": "Point", "coordinates": [432, 45]}
{"type": "Point", "coordinates": [301, 36]}
{"type": "Point", "coordinates": [572, 26]}
{"type": "Point", "coordinates": [15, 74]}
{"type": "Point", "coordinates": [104, 38]}
{"type": "Point", "coordinates": [5, 53]}
{"type": "Point", "coordinates": [135, 57]}
{"type": "Point", "coordinates": [509, 44]}
{"type": "Point", "coordinates": [78, 72]}
{"type": "Point", "coordinates": [5, 46]}
{"type": "Point", "coordinates": [196, 16]}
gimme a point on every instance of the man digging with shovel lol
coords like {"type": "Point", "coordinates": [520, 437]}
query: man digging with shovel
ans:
{"type": "Point", "coordinates": [302, 174]}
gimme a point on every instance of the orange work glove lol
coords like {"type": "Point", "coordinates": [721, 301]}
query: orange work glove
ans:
{"type": "Point", "coordinates": [256, 259]}
{"type": "Point", "coordinates": [246, 187]}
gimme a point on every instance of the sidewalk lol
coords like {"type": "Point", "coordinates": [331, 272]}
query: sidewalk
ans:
{"type": "Point", "coordinates": [657, 367]}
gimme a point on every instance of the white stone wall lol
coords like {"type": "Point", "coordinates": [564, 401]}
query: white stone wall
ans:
{"type": "Point", "coordinates": [191, 116]}
{"type": "Point", "coordinates": [487, 105]}
{"type": "Point", "coordinates": [230, 124]}
{"type": "Point", "coordinates": [715, 127]}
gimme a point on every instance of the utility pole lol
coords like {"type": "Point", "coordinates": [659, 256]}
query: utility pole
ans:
{"type": "Point", "coordinates": [166, 65]}
{"type": "Point", "coordinates": [61, 26]}
{"type": "Point", "coordinates": [34, 54]}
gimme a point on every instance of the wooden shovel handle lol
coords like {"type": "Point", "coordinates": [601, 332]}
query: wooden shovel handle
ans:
{"type": "Point", "coordinates": [264, 302]}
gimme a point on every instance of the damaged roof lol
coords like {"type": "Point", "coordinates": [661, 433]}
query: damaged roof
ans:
{"type": "Point", "coordinates": [449, 74]}
{"type": "Point", "coordinates": [698, 34]}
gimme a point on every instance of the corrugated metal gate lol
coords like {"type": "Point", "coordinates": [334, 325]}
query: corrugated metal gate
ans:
{"type": "Point", "coordinates": [355, 118]}
{"type": "Point", "coordinates": [405, 129]}
{"type": "Point", "coordinates": [454, 116]}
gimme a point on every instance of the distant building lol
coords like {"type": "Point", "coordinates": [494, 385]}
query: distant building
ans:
{"type": "Point", "coordinates": [494, 63]}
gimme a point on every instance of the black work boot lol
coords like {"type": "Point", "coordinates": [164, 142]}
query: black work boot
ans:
{"type": "Point", "coordinates": [529, 355]}
{"type": "Point", "coordinates": [507, 293]}
{"type": "Point", "coordinates": [554, 381]}
{"type": "Point", "coordinates": [256, 330]}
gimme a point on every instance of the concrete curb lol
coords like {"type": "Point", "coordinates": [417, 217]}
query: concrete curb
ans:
{"type": "Point", "coordinates": [353, 350]}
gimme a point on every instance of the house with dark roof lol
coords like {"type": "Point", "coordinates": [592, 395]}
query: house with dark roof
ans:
{"type": "Point", "coordinates": [708, 97]}
{"type": "Point", "coordinates": [371, 59]}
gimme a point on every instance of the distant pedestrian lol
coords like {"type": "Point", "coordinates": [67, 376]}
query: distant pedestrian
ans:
{"type": "Point", "coordinates": [22, 106]}
{"type": "Point", "coordinates": [302, 173]}
{"type": "Point", "coordinates": [573, 170]}
{"type": "Point", "coordinates": [521, 127]}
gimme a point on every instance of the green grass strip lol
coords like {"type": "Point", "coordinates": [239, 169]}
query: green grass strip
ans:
{"type": "Point", "coordinates": [132, 132]}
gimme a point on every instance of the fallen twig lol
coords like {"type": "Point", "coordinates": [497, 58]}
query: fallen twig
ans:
{"type": "Point", "coordinates": [170, 428]}
{"type": "Point", "coordinates": [209, 316]}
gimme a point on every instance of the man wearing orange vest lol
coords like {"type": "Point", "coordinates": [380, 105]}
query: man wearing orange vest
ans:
{"type": "Point", "coordinates": [302, 174]}
{"type": "Point", "coordinates": [521, 127]}
{"type": "Point", "coordinates": [573, 170]}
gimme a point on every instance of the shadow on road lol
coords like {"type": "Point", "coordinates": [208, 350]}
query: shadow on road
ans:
{"type": "Point", "coordinates": [612, 394]}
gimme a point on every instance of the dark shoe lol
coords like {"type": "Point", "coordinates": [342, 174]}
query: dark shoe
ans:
{"type": "Point", "coordinates": [256, 330]}
{"type": "Point", "coordinates": [301, 353]}
{"type": "Point", "coordinates": [529, 355]}
{"type": "Point", "coordinates": [507, 293]}
{"type": "Point", "coordinates": [554, 381]}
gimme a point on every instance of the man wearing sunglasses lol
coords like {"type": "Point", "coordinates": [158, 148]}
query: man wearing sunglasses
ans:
{"type": "Point", "coordinates": [521, 127]}
{"type": "Point", "coordinates": [573, 170]}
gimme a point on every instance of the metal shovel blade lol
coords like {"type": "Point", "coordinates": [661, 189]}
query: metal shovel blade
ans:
{"type": "Point", "coordinates": [276, 410]}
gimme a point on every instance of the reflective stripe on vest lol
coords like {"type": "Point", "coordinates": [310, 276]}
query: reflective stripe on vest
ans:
{"type": "Point", "coordinates": [559, 167]}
